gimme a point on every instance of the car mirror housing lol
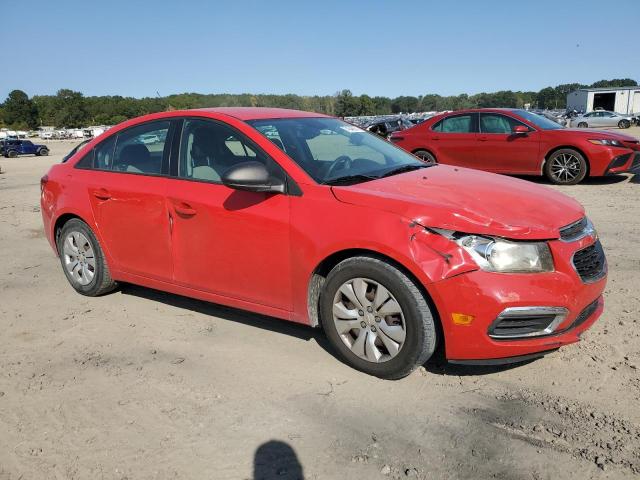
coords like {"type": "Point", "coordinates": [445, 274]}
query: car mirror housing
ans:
{"type": "Point", "coordinates": [520, 130]}
{"type": "Point", "coordinates": [253, 177]}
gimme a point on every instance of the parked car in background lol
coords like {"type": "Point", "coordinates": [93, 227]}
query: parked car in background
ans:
{"type": "Point", "coordinates": [310, 219]}
{"type": "Point", "coordinates": [601, 118]}
{"type": "Point", "coordinates": [515, 141]}
{"type": "Point", "coordinates": [385, 126]}
{"type": "Point", "coordinates": [13, 148]}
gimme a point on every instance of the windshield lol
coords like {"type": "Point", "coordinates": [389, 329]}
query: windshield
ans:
{"type": "Point", "coordinates": [539, 120]}
{"type": "Point", "coordinates": [334, 152]}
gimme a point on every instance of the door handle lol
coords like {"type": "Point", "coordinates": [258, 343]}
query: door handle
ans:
{"type": "Point", "coordinates": [435, 138]}
{"type": "Point", "coordinates": [184, 209]}
{"type": "Point", "coordinates": [482, 139]}
{"type": "Point", "coordinates": [102, 194]}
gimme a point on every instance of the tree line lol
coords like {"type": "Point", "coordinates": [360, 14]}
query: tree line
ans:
{"type": "Point", "coordinates": [72, 109]}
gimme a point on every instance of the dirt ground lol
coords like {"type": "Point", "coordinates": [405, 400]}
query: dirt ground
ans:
{"type": "Point", "coordinates": [140, 384]}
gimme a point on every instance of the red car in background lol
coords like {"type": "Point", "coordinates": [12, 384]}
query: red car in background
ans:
{"type": "Point", "coordinates": [519, 142]}
{"type": "Point", "coordinates": [306, 218]}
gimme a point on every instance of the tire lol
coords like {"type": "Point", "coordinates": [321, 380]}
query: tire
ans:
{"type": "Point", "coordinates": [624, 124]}
{"type": "Point", "coordinates": [583, 125]}
{"type": "Point", "coordinates": [565, 167]}
{"type": "Point", "coordinates": [43, 152]}
{"type": "Point", "coordinates": [86, 282]}
{"type": "Point", "coordinates": [12, 154]}
{"type": "Point", "coordinates": [426, 156]}
{"type": "Point", "coordinates": [413, 329]}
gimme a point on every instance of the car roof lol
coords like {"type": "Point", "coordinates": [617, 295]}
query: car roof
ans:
{"type": "Point", "coordinates": [258, 113]}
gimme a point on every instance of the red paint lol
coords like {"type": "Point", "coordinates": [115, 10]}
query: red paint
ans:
{"type": "Point", "coordinates": [258, 251]}
{"type": "Point", "coordinates": [517, 153]}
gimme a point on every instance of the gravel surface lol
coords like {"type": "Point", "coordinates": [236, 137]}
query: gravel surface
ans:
{"type": "Point", "coordinates": [143, 384]}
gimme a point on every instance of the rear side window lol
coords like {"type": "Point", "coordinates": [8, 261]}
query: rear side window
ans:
{"type": "Point", "coordinates": [456, 124]}
{"type": "Point", "coordinates": [141, 149]}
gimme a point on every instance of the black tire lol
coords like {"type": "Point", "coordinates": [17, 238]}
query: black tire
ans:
{"type": "Point", "coordinates": [559, 179]}
{"type": "Point", "coordinates": [12, 154]}
{"type": "Point", "coordinates": [420, 338]}
{"type": "Point", "coordinates": [624, 124]}
{"type": "Point", "coordinates": [426, 156]}
{"type": "Point", "coordinates": [583, 125]}
{"type": "Point", "coordinates": [43, 152]}
{"type": "Point", "coordinates": [102, 282]}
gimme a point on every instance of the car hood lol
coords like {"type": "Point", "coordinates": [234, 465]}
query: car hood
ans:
{"type": "Point", "coordinates": [468, 201]}
{"type": "Point", "coordinates": [590, 133]}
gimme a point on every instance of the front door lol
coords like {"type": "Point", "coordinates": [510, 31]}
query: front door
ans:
{"type": "Point", "coordinates": [229, 242]}
{"type": "Point", "coordinates": [500, 150]}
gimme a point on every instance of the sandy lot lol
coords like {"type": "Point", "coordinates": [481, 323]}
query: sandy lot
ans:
{"type": "Point", "coordinates": [143, 384]}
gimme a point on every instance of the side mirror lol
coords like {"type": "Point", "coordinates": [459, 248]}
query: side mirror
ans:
{"type": "Point", "coordinates": [520, 130]}
{"type": "Point", "coordinates": [252, 177]}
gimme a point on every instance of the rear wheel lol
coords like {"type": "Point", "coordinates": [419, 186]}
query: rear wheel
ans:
{"type": "Point", "coordinates": [582, 125]}
{"type": "Point", "coordinates": [376, 318]}
{"type": "Point", "coordinates": [624, 124]}
{"type": "Point", "coordinates": [426, 156]}
{"type": "Point", "coordinates": [566, 167]}
{"type": "Point", "coordinates": [12, 154]}
{"type": "Point", "coordinates": [82, 259]}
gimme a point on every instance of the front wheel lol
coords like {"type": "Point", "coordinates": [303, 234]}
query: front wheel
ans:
{"type": "Point", "coordinates": [582, 125]}
{"type": "Point", "coordinates": [82, 259]}
{"type": "Point", "coordinates": [426, 156]}
{"type": "Point", "coordinates": [376, 319]}
{"type": "Point", "coordinates": [566, 167]}
{"type": "Point", "coordinates": [624, 124]}
{"type": "Point", "coordinates": [43, 152]}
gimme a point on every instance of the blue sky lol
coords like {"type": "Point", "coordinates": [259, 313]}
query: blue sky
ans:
{"type": "Point", "coordinates": [135, 48]}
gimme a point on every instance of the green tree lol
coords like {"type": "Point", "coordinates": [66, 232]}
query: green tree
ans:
{"type": "Point", "coordinates": [616, 82]}
{"type": "Point", "coordinates": [71, 109]}
{"type": "Point", "coordinates": [20, 111]}
{"type": "Point", "coordinates": [367, 106]}
{"type": "Point", "coordinates": [346, 104]}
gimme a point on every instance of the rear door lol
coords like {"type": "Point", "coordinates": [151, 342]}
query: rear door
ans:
{"type": "Point", "coordinates": [229, 242]}
{"type": "Point", "coordinates": [127, 187]}
{"type": "Point", "coordinates": [454, 139]}
{"type": "Point", "coordinates": [501, 150]}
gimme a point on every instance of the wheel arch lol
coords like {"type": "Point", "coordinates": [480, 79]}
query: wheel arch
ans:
{"type": "Point", "coordinates": [572, 147]}
{"type": "Point", "coordinates": [426, 149]}
{"type": "Point", "coordinates": [60, 222]}
{"type": "Point", "coordinates": [321, 271]}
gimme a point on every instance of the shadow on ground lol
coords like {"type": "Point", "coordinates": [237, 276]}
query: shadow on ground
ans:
{"type": "Point", "coordinates": [608, 180]}
{"type": "Point", "coordinates": [276, 460]}
{"type": "Point", "coordinates": [436, 365]}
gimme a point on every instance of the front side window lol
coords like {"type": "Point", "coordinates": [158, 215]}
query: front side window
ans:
{"type": "Point", "coordinates": [208, 149]}
{"type": "Point", "coordinates": [496, 123]}
{"type": "Point", "coordinates": [456, 124]}
{"type": "Point", "coordinates": [141, 149]}
{"type": "Point", "coordinates": [334, 152]}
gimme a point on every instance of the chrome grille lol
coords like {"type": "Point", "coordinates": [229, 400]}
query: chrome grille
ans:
{"type": "Point", "coordinates": [574, 230]}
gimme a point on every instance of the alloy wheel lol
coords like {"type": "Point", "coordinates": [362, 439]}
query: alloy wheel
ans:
{"type": "Point", "coordinates": [565, 167]}
{"type": "Point", "coordinates": [369, 320]}
{"type": "Point", "coordinates": [79, 258]}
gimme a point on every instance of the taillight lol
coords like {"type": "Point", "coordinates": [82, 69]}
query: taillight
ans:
{"type": "Point", "coordinates": [43, 182]}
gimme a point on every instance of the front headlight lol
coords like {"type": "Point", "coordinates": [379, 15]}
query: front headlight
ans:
{"type": "Point", "coordinates": [607, 142]}
{"type": "Point", "coordinates": [499, 255]}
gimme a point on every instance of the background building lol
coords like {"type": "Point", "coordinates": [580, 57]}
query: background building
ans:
{"type": "Point", "coordinates": [615, 99]}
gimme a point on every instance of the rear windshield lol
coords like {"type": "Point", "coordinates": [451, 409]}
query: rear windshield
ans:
{"type": "Point", "coordinates": [75, 149]}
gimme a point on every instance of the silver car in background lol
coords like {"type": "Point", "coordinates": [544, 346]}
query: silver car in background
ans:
{"type": "Point", "coordinates": [601, 118]}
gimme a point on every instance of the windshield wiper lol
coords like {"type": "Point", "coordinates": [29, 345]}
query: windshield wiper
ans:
{"type": "Point", "coordinates": [403, 169]}
{"type": "Point", "coordinates": [349, 179]}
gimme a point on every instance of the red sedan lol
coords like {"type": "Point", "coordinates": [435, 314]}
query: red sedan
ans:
{"type": "Point", "coordinates": [310, 219]}
{"type": "Point", "coordinates": [520, 142]}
